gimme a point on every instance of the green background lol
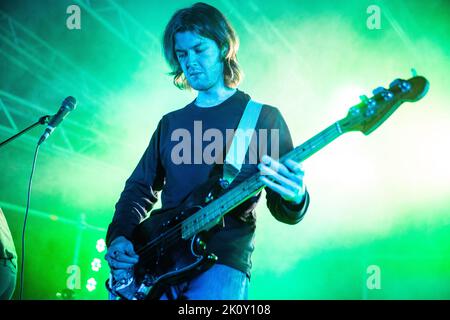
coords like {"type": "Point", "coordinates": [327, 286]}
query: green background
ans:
{"type": "Point", "coordinates": [379, 201]}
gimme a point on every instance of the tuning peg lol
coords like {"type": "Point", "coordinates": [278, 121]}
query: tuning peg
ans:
{"type": "Point", "coordinates": [378, 90]}
{"type": "Point", "coordinates": [364, 98]}
{"type": "Point", "coordinates": [354, 111]}
{"type": "Point", "coordinates": [413, 72]}
{"type": "Point", "coordinates": [395, 83]}
{"type": "Point", "coordinates": [402, 84]}
{"type": "Point", "coordinates": [369, 102]}
{"type": "Point", "coordinates": [371, 107]}
{"type": "Point", "coordinates": [386, 94]}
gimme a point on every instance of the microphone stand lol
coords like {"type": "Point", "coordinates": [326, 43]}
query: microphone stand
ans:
{"type": "Point", "coordinates": [42, 120]}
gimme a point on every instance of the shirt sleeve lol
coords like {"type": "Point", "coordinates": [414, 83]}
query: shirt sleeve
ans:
{"type": "Point", "coordinates": [140, 193]}
{"type": "Point", "coordinates": [281, 209]}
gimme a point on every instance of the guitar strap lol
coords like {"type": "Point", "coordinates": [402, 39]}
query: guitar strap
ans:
{"type": "Point", "coordinates": [241, 141]}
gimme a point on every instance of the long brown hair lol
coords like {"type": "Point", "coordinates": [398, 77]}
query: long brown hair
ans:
{"type": "Point", "coordinates": [208, 22]}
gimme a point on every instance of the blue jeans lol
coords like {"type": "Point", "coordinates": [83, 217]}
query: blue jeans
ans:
{"type": "Point", "coordinates": [220, 282]}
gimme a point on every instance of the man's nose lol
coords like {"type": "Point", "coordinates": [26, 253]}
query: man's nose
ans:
{"type": "Point", "coordinates": [191, 59]}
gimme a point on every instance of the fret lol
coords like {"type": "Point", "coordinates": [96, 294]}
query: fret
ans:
{"type": "Point", "coordinates": [316, 143]}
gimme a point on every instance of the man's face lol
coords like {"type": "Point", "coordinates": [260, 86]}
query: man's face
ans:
{"type": "Point", "coordinates": [200, 60]}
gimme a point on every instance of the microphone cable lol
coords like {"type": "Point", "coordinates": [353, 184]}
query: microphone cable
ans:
{"type": "Point", "coordinates": [25, 222]}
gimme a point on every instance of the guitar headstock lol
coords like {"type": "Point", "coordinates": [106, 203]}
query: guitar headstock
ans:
{"type": "Point", "coordinates": [372, 112]}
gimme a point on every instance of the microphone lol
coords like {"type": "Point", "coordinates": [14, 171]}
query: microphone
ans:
{"type": "Point", "coordinates": [67, 105]}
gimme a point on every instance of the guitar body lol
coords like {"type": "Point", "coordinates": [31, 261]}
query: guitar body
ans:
{"type": "Point", "coordinates": [165, 258]}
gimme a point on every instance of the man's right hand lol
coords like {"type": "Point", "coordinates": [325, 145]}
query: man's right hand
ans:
{"type": "Point", "coordinates": [121, 257]}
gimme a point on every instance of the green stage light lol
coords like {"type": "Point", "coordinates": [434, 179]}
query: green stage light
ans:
{"type": "Point", "coordinates": [101, 245]}
{"type": "Point", "coordinates": [91, 284]}
{"type": "Point", "coordinates": [96, 264]}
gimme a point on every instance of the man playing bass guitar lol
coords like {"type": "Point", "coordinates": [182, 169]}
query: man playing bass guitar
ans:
{"type": "Point", "coordinates": [200, 46]}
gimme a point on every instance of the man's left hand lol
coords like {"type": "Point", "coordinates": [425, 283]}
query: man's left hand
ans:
{"type": "Point", "coordinates": [284, 178]}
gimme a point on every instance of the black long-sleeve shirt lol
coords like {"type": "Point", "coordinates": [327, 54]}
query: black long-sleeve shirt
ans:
{"type": "Point", "coordinates": [157, 171]}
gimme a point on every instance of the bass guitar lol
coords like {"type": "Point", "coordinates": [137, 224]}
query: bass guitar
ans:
{"type": "Point", "coordinates": [161, 239]}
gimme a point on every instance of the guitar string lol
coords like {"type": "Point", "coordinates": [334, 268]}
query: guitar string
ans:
{"type": "Point", "coordinates": [167, 238]}
{"type": "Point", "coordinates": [172, 233]}
{"type": "Point", "coordinates": [230, 199]}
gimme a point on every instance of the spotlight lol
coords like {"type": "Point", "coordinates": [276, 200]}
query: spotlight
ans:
{"type": "Point", "coordinates": [91, 284]}
{"type": "Point", "coordinates": [96, 264]}
{"type": "Point", "coordinates": [101, 245]}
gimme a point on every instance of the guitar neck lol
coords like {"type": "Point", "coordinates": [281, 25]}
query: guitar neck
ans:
{"type": "Point", "coordinates": [211, 214]}
{"type": "Point", "coordinates": [319, 141]}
